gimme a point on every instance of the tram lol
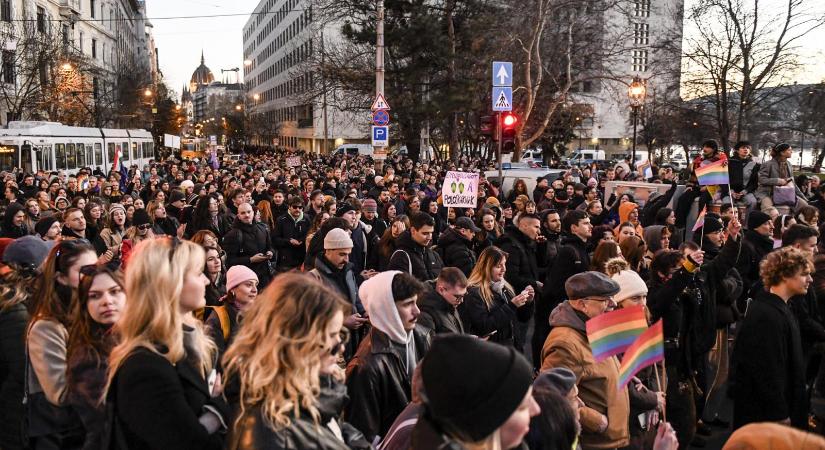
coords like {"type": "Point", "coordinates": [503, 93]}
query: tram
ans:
{"type": "Point", "coordinates": [51, 146]}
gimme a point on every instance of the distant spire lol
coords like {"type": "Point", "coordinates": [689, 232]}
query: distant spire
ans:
{"type": "Point", "coordinates": [202, 59]}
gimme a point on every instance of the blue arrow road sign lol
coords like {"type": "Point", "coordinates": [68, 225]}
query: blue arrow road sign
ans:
{"type": "Point", "coordinates": [380, 136]}
{"type": "Point", "coordinates": [502, 99]}
{"type": "Point", "coordinates": [502, 73]}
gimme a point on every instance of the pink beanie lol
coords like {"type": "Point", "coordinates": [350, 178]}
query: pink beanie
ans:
{"type": "Point", "coordinates": [237, 275]}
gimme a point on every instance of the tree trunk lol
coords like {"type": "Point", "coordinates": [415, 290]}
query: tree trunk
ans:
{"type": "Point", "coordinates": [455, 148]}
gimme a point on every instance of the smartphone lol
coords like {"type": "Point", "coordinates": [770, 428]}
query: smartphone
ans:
{"type": "Point", "coordinates": [489, 335]}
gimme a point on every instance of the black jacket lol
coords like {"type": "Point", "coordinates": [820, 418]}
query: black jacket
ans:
{"type": "Point", "coordinates": [215, 330]}
{"type": "Point", "coordinates": [424, 262]}
{"type": "Point", "coordinates": [245, 241]}
{"type": "Point", "coordinates": [767, 380]}
{"type": "Point", "coordinates": [157, 404]}
{"type": "Point", "coordinates": [194, 225]}
{"type": "Point", "coordinates": [168, 226]}
{"type": "Point", "coordinates": [480, 320]}
{"type": "Point", "coordinates": [754, 248]}
{"type": "Point", "coordinates": [13, 322]}
{"type": "Point", "coordinates": [573, 259]}
{"type": "Point", "coordinates": [342, 281]}
{"type": "Point", "coordinates": [522, 269]}
{"type": "Point", "coordinates": [378, 384]}
{"type": "Point", "coordinates": [87, 372]}
{"type": "Point", "coordinates": [286, 228]}
{"type": "Point", "coordinates": [438, 315]}
{"type": "Point", "coordinates": [252, 432]}
{"type": "Point", "coordinates": [456, 251]}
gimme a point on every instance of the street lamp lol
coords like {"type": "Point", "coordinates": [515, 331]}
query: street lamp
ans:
{"type": "Point", "coordinates": [256, 97]}
{"type": "Point", "coordinates": [247, 62]}
{"type": "Point", "coordinates": [67, 66]}
{"type": "Point", "coordinates": [636, 93]}
{"type": "Point", "coordinates": [147, 93]}
{"type": "Point", "coordinates": [238, 107]}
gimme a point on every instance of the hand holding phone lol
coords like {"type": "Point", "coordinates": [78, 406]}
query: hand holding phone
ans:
{"type": "Point", "coordinates": [489, 335]}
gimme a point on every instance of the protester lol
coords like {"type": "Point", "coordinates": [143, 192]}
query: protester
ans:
{"type": "Point", "coordinates": [456, 245]}
{"type": "Point", "coordinates": [249, 244]}
{"type": "Point", "coordinates": [439, 305]}
{"type": "Point", "coordinates": [224, 321]}
{"type": "Point", "coordinates": [413, 253]}
{"type": "Point", "coordinates": [290, 235]}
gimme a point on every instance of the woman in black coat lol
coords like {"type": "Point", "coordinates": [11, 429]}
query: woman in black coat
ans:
{"type": "Point", "coordinates": [163, 392]}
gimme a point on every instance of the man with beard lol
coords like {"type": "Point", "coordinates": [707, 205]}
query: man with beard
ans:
{"type": "Point", "coordinates": [249, 244]}
{"type": "Point", "coordinates": [549, 241]}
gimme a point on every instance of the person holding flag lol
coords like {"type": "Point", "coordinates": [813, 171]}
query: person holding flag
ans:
{"type": "Point", "coordinates": [696, 188]}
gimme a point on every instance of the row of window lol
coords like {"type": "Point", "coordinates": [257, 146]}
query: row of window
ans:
{"type": "Point", "coordinates": [288, 61]}
{"type": "Point", "coordinates": [292, 86]}
{"type": "Point", "coordinates": [74, 156]}
{"type": "Point", "coordinates": [277, 18]}
{"type": "Point", "coordinates": [641, 36]}
{"type": "Point", "coordinates": [294, 29]}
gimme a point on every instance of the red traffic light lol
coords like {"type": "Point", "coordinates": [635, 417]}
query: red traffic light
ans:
{"type": "Point", "coordinates": [509, 120]}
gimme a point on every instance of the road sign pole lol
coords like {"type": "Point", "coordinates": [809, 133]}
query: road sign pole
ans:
{"type": "Point", "coordinates": [498, 138]}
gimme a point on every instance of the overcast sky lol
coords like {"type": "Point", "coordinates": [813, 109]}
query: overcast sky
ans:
{"type": "Point", "coordinates": [180, 41]}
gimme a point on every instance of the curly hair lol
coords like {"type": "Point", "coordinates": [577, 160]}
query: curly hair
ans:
{"type": "Point", "coordinates": [784, 263]}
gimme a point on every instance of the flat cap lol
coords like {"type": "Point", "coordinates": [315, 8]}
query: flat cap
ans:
{"type": "Point", "coordinates": [590, 284]}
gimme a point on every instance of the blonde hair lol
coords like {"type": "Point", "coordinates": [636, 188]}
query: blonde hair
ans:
{"type": "Point", "coordinates": [276, 356]}
{"type": "Point", "coordinates": [481, 276]}
{"type": "Point", "coordinates": [154, 283]}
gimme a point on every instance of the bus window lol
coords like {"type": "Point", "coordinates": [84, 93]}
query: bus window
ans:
{"type": "Point", "coordinates": [135, 150]}
{"type": "Point", "coordinates": [98, 155]}
{"type": "Point", "coordinates": [26, 158]}
{"type": "Point", "coordinates": [125, 149]}
{"type": "Point", "coordinates": [60, 156]}
{"type": "Point", "coordinates": [81, 155]}
{"type": "Point", "coordinates": [9, 157]}
{"type": "Point", "coordinates": [110, 152]}
{"type": "Point", "coordinates": [44, 158]}
{"type": "Point", "coordinates": [71, 157]}
{"type": "Point", "coordinates": [90, 160]}
{"type": "Point", "coordinates": [151, 150]}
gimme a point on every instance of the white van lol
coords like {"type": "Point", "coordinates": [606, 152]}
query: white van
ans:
{"type": "Point", "coordinates": [532, 155]}
{"type": "Point", "coordinates": [585, 156]}
{"type": "Point", "coordinates": [354, 149]}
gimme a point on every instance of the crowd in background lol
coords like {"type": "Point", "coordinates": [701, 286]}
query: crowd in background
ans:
{"type": "Point", "coordinates": [340, 304]}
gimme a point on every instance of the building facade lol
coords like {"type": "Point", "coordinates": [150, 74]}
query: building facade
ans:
{"type": "Point", "coordinates": [651, 33]}
{"type": "Point", "coordinates": [280, 39]}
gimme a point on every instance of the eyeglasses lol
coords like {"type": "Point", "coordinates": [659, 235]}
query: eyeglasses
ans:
{"type": "Point", "coordinates": [144, 226]}
{"type": "Point", "coordinates": [296, 206]}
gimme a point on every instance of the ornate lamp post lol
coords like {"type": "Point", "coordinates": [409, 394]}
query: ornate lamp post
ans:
{"type": "Point", "coordinates": [636, 92]}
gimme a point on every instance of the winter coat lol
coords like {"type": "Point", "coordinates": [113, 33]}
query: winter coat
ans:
{"type": "Point", "coordinates": [342, 281]}
{"type": "Point", "coordinates": [245, 241]}
{"type": "Point", "coordinates": [9, 230]}
{"type": "Point", "coordinates": [194, 225]}
{"type": "Point", "coordinates": [87, 376]}
{"type": "Point", "coordinates": [522, 268]}
{"type": "Point", "coordinates": [13, 322]}
{"type": "Point", "coordinates": [360, 247]}
{"type": "Point", "coordinates": [501, 316]}
{"type": "Point", "coordinates": [573, 258]}
{"type": "Point", "coordinates": [567, 346]}
{"type": "Point", "coordinates": [456, 251]}
{"type": "Point", "coordinates": [744, 174]}
{"type": "Point", "coordinates": [286, 228]}
{"type": "Point", "coordinates": [419, 261]}
{"type": "Point", "coordinates": [253, 433]}
{"type": "Point", "coordinates": [156, 404]}
{"type": "Point", "coordinates": [754, 248]}
{"type": "Point", "coordinates": [378, 383]}
{"type": "Point", "coordinates": [767, 381]}
{"type": "Point", "coordinates": [438, 315]}
{"type": "Point", "coordinates": [168, 226]}
{"type": "Point", "coordinates": [215, 329]}
{"type": "Point", "coordinates": [769, 178]}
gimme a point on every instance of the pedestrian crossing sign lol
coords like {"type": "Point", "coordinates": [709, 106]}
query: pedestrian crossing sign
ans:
{"type": "Point", "coordinates": [502, 99]}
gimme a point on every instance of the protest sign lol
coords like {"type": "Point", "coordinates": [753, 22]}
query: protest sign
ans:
{"type": "Point", "coordinates": [293, 161]}
{"type": "Point", "coordinates": [460, 189]}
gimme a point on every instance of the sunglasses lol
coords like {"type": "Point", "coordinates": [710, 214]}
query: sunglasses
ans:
{"type": "Point", "coordinates": [92, 270]}
{"type": "Point", "coordinates": [297, 206]}
{"type": "Point", "coordinates": [145, 226]}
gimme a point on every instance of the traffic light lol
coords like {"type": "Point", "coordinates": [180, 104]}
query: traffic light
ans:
{"type": "Point", "coordinates": [487, 126]}
{"type": "Point", "coordinates": [509, 122]}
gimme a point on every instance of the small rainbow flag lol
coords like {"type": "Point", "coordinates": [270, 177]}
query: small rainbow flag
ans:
{"type": "Point", "coordinates": [648, 349]}
{"type": "Point", "coordinates": [645, 168]}
{"type": "Point", "coordinates": [700, 221]}
{"type": "Point", "coordinates": [612, 333]}
{"type": "Point", "coordinates": [713, 174]}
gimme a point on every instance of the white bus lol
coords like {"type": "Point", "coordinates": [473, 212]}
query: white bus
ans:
{"type": "Point", "coordinates": [51, 146]}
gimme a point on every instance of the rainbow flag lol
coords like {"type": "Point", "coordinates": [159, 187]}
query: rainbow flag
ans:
{"type": "Point", "coordinates": [700, 221]}
{"type": "Point", "coordinates": [648, 349]}
{"type": "Point", "coordinates": [713, 174]}
{"type": "Point", "coordinates": [645, 168]}
{"type": "Point", "coordinates": [612, 333]}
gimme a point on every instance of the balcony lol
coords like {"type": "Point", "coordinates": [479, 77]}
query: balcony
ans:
{"type": "Point", "coordinates": [70, 8]}
{"type": "Point", "coordinates": [305, 123]}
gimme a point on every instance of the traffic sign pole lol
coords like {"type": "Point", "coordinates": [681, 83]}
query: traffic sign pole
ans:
{"type": "Point", "coordinates": [498, 135]}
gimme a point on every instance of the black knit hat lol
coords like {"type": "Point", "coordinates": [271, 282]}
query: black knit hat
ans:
{"type": "Point", "coordinates": [471, 386]}
{"type": "Point", "coordinates": [141, 217]}
{"type": "Point", "coordinates": [756, 219]}
{"type": "Point", "coordinates": [713, 223]}
{"type": "Point", "coordinates": [42, 226]}
{"type": "Point", "coordinates": [343, 209]}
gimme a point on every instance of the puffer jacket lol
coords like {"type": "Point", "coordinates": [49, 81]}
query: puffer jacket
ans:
{"type": "Point", "coordinates": [245, 241]}
{"type": "Point", "coordinates": [456, 251]}
{"type": "Point", "coordinates": [567, 346]}
{"type": "Point", "coordinates": [252, 432]}
{"type": "Point", "coordinates": [419, 261]}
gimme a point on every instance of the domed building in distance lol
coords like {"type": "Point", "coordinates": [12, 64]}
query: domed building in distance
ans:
{"type": "Point", "coordinates": [202, 76]}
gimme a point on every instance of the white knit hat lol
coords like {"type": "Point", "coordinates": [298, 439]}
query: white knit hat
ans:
{"type": "Point", "coordinates": [337, 238]}
{"type": "Point", "coordinates": [630, 285]}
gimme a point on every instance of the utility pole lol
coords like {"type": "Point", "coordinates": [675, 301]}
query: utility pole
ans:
{"type": "Point", "coordinates": [379, 51]}
{"type": "Point", "coordinates": [324, 87]}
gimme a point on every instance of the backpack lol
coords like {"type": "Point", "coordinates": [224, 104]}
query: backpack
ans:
{"type": "Point", "coordinates": [223, 318]}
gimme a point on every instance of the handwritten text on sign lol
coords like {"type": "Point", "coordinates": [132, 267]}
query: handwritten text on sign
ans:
{"type": "Point", "coordinates": [460, 189]}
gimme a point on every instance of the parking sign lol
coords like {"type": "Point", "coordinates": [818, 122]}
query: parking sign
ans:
{"type": "Point", "coordinates": [380, 136]}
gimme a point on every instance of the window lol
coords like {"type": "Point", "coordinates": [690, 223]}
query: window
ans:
{"type": "Point", "coordinates": [135, 150]}
{"type": "Point", "coordinates": [639, 60]}
{"type": "Point", "coordinates": [95, 88]}
{"type": "Point", "coordinates": [642, 8]}
{"type": "Point", "coordinates": [94, 48]}
{"type": "Point", "coordinates": [98, 155]}
{"type": "Point", "coordinates": [641, 33]}
{"type": "Point", "coordinates": [110, 152]}
{"type": "Point", "coordinates": [60, 156]}
{"type": "Point", "coordinates": [81, 155]}
{"type": "Point", "coordinates": [41, 20]}
{"type": "Point", "coordinates": [8, 66]}
{"type": "Point", "coordinates": [80, 42]}
{"type": "Point", "coordinates": [125, 149]}
{"type": "Point", "coordinates": [5, 10]}
{"type": "Point", "coordinates": [71, 157]}
{"type": "Point", "coordinates": [66, 35]}
{"type": "Point", "coordinates": [92, 8]}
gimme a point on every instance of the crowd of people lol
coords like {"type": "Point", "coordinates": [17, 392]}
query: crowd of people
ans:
{"type": "Point", "coordinates": [339, 304]}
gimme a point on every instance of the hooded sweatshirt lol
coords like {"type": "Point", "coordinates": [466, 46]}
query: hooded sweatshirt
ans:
{"type": "Point", "coordinates": [624, 213]}
{"type": "Point", "coordinates": [376, 295]}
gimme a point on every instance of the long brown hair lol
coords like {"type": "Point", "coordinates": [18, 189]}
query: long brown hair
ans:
{"type": "Point", "coordinates": [266, 213]}
{"type": "Point", "coordinates": [46, 303]}
{"type": "Point", "coordinates": [482, 275]}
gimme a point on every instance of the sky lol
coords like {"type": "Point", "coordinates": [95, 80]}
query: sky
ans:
{"type": "Point", "coordinates": [179, 41]}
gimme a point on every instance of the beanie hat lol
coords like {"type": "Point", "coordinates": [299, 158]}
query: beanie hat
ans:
{"type": "Point", "coordinates": [343, 209]}
{"type": "Point", "coordinates": [237, 275]}
{"type": "Point", "coordinates": [175, 196]}
{"type": "Point", "coordinates": [337, 238]}
{"type": "Point", "coordinates": [713, 223]}
{"type": "Point", "coordinates": [26, 251]}
{"type": "Point", "coordinates": [492, 201]}
{"type": "Point", "coordinates": [369, 205]}
{"type": "Point", "coordinates": [187, 184]}
{"type": "Point", "coordinates": [630, 285]}
{"type": "Point", "coordinates": [116, 207]}
{"type": "Point", "coordinates": [42, 226]}
{"type": "Point", "coordinates": [471, 386]}
{"type": "Point", "coordinates": [561, 379]}
{"type": "Point", "coordinates": [61, 198]}
{"type": "Point", "coordinates": [141, 217]}
{"type": "Point", "coordinates": [756, 219]}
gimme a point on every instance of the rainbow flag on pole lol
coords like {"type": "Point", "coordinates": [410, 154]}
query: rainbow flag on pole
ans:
{"type": "Point", "coordinates": [612, 333]}
{"type": "Point", "coordinates": [700, 221]}
{"type": "Point", "coordinates": [648, 349]}
{"type": "Point", "coordinates": [713, 174]}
